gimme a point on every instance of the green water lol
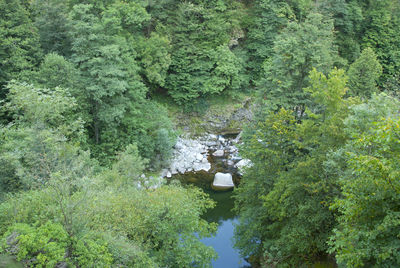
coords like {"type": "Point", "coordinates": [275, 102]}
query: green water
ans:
{"type": "Point", "coordinates": [223, 214]}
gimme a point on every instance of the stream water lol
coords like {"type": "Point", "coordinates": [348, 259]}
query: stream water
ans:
{"type": "Point", "coordinates": [222, 213]}
{"type": "Point", "coordinates": [222, 242]}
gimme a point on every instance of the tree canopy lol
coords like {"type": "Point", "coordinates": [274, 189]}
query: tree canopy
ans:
{"type": "Point", "coordinates": [92, 94]}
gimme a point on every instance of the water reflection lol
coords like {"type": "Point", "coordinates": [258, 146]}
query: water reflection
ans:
{"type": "Point", "coordinates": [222, 214]}
{"type": "Point", "coordinates": [227, 255]}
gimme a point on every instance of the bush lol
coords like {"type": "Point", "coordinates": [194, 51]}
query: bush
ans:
{"type": "Point", "coordinates": [44, 246]}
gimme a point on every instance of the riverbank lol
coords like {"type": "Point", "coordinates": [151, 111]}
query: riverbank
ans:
{"type": "Point", "coordinates": [222, 213]}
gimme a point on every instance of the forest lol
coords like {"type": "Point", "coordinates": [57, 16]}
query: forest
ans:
{"type": "Point", "coordinates": [87, 88]}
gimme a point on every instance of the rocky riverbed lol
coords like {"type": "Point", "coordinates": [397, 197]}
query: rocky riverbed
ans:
{"type": "Point", "coordinates": [194, 155]}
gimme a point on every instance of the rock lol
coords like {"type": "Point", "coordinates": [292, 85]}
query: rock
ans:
{"type": "Point", "coordinates": [212, 137]}
{"type": "Point", "coordinates": [179, 145]}
{"type": "Point", "coordinates": [236, 158]}
{"type": "Point", "coordinates": [221, 139]}
{"type": "Point", "coordinates": [230, 163]}
{"type": "Point", "coordinates": [232, 149]}
{"type": "Point", "coordinates": [222, 181]}
{"type": "Point", "coordinates": [181, 170]}
{"type": "Point", "coordinates": [243, 163]}
{"type": "Point", "coordinates": [204, 160]}
{"type": "Point", "coordinates": [199, 157]}
{"type": "Point", "coordinates": [164, 173]}
{"type": "Point", "coordinates": [211, 143]}
{"type": "Point", "coordinates": [169, 175]}
{"type": "Point", "coordinates": [218, 153]}
{"type": "Point", "coordinates": [201, 166]}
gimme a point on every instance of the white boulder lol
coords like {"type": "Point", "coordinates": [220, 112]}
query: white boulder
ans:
{"type": "Point", "coordinates": [222, 181]}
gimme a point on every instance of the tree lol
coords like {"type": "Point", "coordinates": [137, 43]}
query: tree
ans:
{"type": "Point", "coordinates": [148, 125]}
{"type": "Point", "coordinates": [284, 197]}
{"type": "Point", "coordinates": [298, 49]}
{"type": "Point", "coordinates": [364, 74]}
{"type": "Point", "coordinates": [348, 21]}
{"type": "Point", "coordinates": [44, 108]}
{"type": "Point", "coordinates": [59, 211]}
{"type": "Point", "coordinates": [108, 70]}
{"type": "Point", "coordinates": [56, 71]}
{"type": "Point", "coordinates": [156, 59]}
{"type": "Point", "coordinates": [51, 20]}
{"type": "Point", "coordinates": [199, 65]}
{"type": "Point", "coordinates": [43, 120]}
{"type": "Point", "coordinates": [20, 48]}
{"type": "Point", "coordinates": [129, 166]}
{"type": "Point", "coordinates": [267, 19]}
{"type": "Point", "coordinates": [107, 224]}
{"type": "Point", "coordinates": [380, 32]}
{"type": "Point", "coordinates": [162, 222]}
{"type": "Point", "coordinates": [368, 221]}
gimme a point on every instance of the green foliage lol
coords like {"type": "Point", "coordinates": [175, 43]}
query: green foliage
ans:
{"type": "Point", "coordinates": [56, 71]}
{"type": "Point", "coordinates": [34, 147]}
{"type": "Point", "coordinates": [51, 20]}
{"type": "Point", "coordinates": [364, 74]}
{"type": "Point", "coordinates": [108, 71]}
{"type": "Point", "coordinates": [129, 165]}
{"type": "Point", "coordinates": [284, 197]}
{"type": "Point", "coordinates": [267, 19]}
{"type": "Point", "coordinates": [156, 59]}
{"type": "Point", "coordinates": [124, 226]}
{"type": "Point", "coordinates": [348, 21]}
{"type": "Point", "coordinates": [368, 221]}
{"type": "Point", "coordinates": [201, 65]}
{"type": "Point", "coordinates": [19, 48]}
{"type": "Point", "coordinates": [381, 28]}
{"type": "Point", "coordinates": [149, 127]}
{"type": "Point", "coordinates": [44, 108]}
{"type": "Point", "coordinates": [49, 245]}
{"type": "Point", "coordinates": [309, 147]}
{"type": "Point", "coordinates": [131, 15]}
{"type": "Point", "coordinates": [91, 251]}
{"type": "Point", "coordinates": [163, 221]}
{"type": "Point", "coordinates": [44, 246]}
{"type": "Point", "coordinates": [298, 49]}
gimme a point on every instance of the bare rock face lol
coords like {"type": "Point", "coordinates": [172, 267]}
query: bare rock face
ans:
{"type": "Point", "coordinates": [222, 181]}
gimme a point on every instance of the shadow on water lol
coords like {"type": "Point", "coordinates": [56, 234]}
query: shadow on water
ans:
{"type": "Point", "coordinates": [222, 213]}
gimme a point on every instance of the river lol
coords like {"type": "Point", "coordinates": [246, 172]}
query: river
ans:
{"type": "Point", "coordinates": [222, 213]}
{"type": "Point", "coordinates": [222, 242]}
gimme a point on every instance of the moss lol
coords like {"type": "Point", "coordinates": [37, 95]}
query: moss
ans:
{"type": "Point", "coordinates": [220, 109]}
